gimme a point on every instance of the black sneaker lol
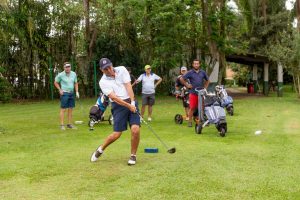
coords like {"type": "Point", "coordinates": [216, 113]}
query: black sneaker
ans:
{"type": "Point", "coordinates": [95, 156]}
{"type": "Point", "coordinates": [70, 126]}
{"type": "Point", "coordinates": [132, 160]}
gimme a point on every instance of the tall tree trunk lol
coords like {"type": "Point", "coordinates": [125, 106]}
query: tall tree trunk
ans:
{"type": "Point", "coordinates": [298, 28]}
{"type": "Point", "coordinates": [298, 14]}
{"type": "Point", "coordinates": [222, 58]}
{"type": "Point", "coordinates": [193, 43]}
{"type": "Point", "coordinates": [207, 7]}
{"type": "Point", "coordinates": [204, 32]}
{"type": "Point", "coordinates": [87, 25]}
{"type": "Point", "coordinates": [264, 10]}
{"type": "Point", "coordinates": [31, 74]}
{"type": "Point", "coordinates": [211, 44]}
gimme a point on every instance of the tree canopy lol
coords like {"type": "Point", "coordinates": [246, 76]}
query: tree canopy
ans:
{"type": "Point", "coordinates": [163, 33]}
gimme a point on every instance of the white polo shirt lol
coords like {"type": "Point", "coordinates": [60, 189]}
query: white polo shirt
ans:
{"type": "Point", "coordinates": [148, 83]}
{"type": "Point", "coordinates": [116, 84]}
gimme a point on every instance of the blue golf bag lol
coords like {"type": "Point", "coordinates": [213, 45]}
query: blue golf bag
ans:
{"type": "Point", "coordinates": [226, 101]}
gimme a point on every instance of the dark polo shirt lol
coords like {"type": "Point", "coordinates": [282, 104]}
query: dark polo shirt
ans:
{"type": "Point", "coordinates": [196, 79]}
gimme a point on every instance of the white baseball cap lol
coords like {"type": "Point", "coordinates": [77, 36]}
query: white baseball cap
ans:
{"type": "Point", "coordinates": [183, 68]}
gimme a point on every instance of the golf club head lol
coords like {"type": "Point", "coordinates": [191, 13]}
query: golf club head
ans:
{"type": "Point", "coordinates": [172, 150]}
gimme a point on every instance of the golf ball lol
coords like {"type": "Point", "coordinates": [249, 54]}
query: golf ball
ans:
{"type": "Point", "coordinates": [258, 132]}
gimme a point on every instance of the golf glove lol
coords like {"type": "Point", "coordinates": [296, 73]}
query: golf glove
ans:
{"type": "Point", "coordinates": [77, 95]}
{"type": "Point", "coordinates": [133, 103]}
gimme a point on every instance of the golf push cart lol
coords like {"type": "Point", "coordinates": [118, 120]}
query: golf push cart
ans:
{"type": "Point", "coordinates": [209, 112]}
{"type": "Point", "coordinates": [184, 95]}
{"type": "Point", "coordinates": [97, 111]}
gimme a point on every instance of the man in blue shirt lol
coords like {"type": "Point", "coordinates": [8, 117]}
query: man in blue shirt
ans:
{"type": "Point", "coordinates": [65, 82]}
{"type": "Point", "coordinates": [197, 79]}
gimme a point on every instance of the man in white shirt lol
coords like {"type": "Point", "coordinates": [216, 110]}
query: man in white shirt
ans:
{"type": "Point", "coordinates": [115, 83]}
{"type": "Point", "coordinates": [148, 89]}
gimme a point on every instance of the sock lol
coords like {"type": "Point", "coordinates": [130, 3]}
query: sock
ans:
{"type": "Point", "coordinates": [133, 155]}
{"type": "Point", "coordinates": [100, 149]}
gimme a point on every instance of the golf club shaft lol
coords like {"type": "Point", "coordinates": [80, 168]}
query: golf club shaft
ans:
{"type": "Point", "coordinates": [150, 128]}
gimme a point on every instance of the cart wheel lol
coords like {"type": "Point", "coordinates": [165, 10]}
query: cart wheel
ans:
{"type": "Point", "coordinates": [91, 123]}
{"type": "Point", "coordinates": [102, 118]}
{"type": "Point", "coordinates": [178, 119]}
{"type": "Point", "coordinates": [230, 111]}
{"type": "Point", "coordinates": [198, 128]}
{"type": "Point", "coordinates": [110, 120]}
{"type": "Point", "coordinates": [223, 132]}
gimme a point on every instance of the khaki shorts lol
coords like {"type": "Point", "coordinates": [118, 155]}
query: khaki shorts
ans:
{"type": "Point", "coordinates": [148, 99]}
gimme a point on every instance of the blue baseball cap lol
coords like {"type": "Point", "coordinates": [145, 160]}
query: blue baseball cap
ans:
{"type": "Point", "coordinates": [104, 63]}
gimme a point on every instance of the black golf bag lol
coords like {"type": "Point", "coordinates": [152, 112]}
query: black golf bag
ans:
{"type": "Point", "coordinates": [97, 111]}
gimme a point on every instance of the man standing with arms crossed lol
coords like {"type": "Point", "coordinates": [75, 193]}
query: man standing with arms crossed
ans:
{"type": "Point", "coordinates": [198, 79]}
{"type": "Point", "coordinates": [148, 89]}
{"type": "Point", "coordinates": [67, 80]}
{"type": "Point", "coordinates": [115, 83]}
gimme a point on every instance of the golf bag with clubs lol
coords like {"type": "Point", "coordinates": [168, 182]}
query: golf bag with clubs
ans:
{"type": "Point", "coordinates": [97, 111]}
{"type": "Point", "coordinates": [210, 112]}
{"type": "Point", "coordinates": [225, 99]}
{"type": "Point", "coordinates": [184, 95]}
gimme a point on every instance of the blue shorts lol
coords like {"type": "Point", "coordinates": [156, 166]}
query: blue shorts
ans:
{"type": "Point", "coordinates": [67, 100]}
{"type": "Point", "coordinates": [122, 115]}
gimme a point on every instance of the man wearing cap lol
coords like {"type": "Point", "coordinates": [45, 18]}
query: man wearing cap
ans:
{"type": "Point", "coordinates": [65, 82]}
{"type": "Point", "coordinates": [148, 89]}
{"type": "Point", "coordinates": [181, 91]}
{"type": "Point", "coordinates": [197, 79]}
{"type": "Point", "coordinates": [115, 83]}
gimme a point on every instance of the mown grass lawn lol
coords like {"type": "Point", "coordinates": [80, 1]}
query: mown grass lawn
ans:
{"type": "Point", "coordinates": [38, 161]}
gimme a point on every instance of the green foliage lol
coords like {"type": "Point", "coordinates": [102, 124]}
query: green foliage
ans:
{"type": "Point", "coordinates": [165, 34]}
{"type": "Point", "coordinates": [241, 74]}
{"type": "Point", "coordinates": [5, 90]}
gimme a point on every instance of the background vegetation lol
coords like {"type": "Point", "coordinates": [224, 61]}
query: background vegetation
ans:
{"type": "Point", "coordinates": [165, 34]}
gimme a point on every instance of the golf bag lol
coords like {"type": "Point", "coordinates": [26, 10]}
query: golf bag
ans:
{"type": "Point", "coordinates": [97, 111]}
{"type": "Point", "coordinates": [210, 112]}
{"type": "Point", "coordinates": [226, 101]}
{"type": "Point", "coordinates": [184, 95]}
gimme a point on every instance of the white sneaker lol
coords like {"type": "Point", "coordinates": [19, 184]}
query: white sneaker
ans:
{"type": "Point", "coordinates": [149, 119]}
{"type": "Point", "coordinates": [62, 127]}
{"type": "Point", "coordinates": [132, 160]}
{"type": "Point", "coordinates": [95, 156]}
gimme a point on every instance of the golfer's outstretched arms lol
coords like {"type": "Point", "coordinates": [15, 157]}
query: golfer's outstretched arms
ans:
{"type": "Point", "coordinates": [121, 102]}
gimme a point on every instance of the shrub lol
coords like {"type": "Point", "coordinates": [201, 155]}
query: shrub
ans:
{"type": "Point", "coordinates": [5, 90]}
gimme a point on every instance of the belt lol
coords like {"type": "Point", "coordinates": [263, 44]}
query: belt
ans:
{"type": "Point", "coordinates": [68, 91]}
{"type": "Point", "coordinates": [127, 100]}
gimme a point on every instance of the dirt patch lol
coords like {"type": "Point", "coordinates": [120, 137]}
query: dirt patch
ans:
{"type": "Point", "coordinates": [293, 125]}
{"type": "Point", "coordinates": [241, 93]}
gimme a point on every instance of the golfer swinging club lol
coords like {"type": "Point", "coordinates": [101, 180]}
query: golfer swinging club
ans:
{"type": "Point", "coordinates": [115, 83]}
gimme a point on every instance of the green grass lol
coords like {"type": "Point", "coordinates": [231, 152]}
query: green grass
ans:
{"type": "Point", "coordinates": [38, 161]}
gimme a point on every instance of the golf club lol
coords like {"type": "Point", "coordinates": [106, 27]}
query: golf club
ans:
{"type": "Point", "coordinates": [170, 150]}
